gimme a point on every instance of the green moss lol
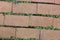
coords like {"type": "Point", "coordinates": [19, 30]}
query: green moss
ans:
{"type": "Point", "coordinates": [30, 14]}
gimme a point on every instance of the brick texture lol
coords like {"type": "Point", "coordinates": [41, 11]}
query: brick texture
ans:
{"type": "Point", "coordinates": [5, 7]}
{"type": "Point", "coordinates": [27, 33]}
{"type": "Point", "coordinates": [57, 22]}
{"type": "Point", "coordinates": [44, 9]}
{"type": "Point", "coordinates": [51, 1]}
{"type": "Point", "coordinates": [1, 19]}
{"type": "Point", "coordinates": [16, 20]}
{"type": "Point", "coordinates": [43, 1]}
{"type": "Point", "coordinates": [55, 10]}
{"type": "Point", "coordinates": [23, 0]}
{"type": "Point", "coordinates": [6, 32]}
{"type": "Point", "coordinates": [24, 8]}
{"type": "Point", "coordinates": [41, 21]}
{"type": "Point", "coordinates": [50, 35]}
{"type": "Point", "coordinates": [19, 20]}
{"type": "Point", "coordinates": [57, 1]}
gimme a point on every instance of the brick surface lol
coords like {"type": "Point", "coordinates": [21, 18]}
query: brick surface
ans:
{"type": "Point", "coordinates": [50, 35]}
{"type": "Point", "coordinates": [16, 20]}
{"type": "Point", "coordinates": [6, 32]}
{"type": "Point", "coordinates": [41, 21]}
{"type": "Point", "coordinates": [23, 0]}
{"type": "Point", "coordinates": [43, 0]}
{"type": "Point", "coordinates": [44, 9]}
{"type": "Point", "coordinates": [1, 19]}
{"type": "Point", "coordinates": [24, 8]}
{"type": "Point", "coordinates": [36, 0]}
{"type": "Point", "coordinates": [55, 10]}
{"type": "Point", "coordinates": [27, 33]}
{"type": "Point", "coordinates": [47, 1]}
{"type": "Point", "coordinates": [5, 7]}
{"type": "Point", "coordinates": [57, 1]}
{"type": "Point", "coordinates": [57, 22]}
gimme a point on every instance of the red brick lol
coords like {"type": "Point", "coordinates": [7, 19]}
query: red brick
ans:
{"type": "Point", "coordinates": [41, 21]}
{"type": "Point", "coordinates": [43, 0]}
{"type": "Point", "coordinates": [16, 20]}
{"type": "Point", "coordinates": [1, 19]}
{"type": "Point", "coordinates": [27, 33]}
{"type": "Point", "coordinates": [23, 0]}
{"type": "Point", "coordinates": [6, 32]}
{"type": "Point", "coordinates": [55, 10]}
{"type": "Point", "coordinates": [44, 9]}
{"type": "Point", "coordinates": [56, 22]}
{"type": "Point", "coordinates": [57, 1]}
{"type": "Point", "coordinates": [47, 1]}
{"type": "Point", "coordinates": [36, 0]}
{"type": "Point", "coordinates": [5, 6]}
{"type": "Point", "coordinates": [50, 35]}
{"type": "Point", "coordinates": [24, 8]}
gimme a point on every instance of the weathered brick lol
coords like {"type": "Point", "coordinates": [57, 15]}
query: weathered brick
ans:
{"type": "Point", "coordinates": [5, 6]}
{"type": "Point", "coordinates": [1, 19]}
{"type": "Point", "coordinates": [27, 33]}
{"type": "Point", "coordinates": [55, 10]}
{"type": "Point", "coordinates": [44, 9]}
{"type": "Point", "coordinates": [36, 0]}
{"type": "Point", "coordinates": [43, 0]}
{"type": "Point", "coordinates": [23, 0]}
{"type": "Point", "coordinates": [6, 32]}
{"type": "Point", "coordinates": [24, 8]}
{"type": "Point", "coordinates": [51, 1]}
{"type": "Point", "coordinates": [57, 1]}
{"type": "Point", "coordinates": [41, 21]}
{"type": "Point", "coordinates": [16, 20]}
{"type": "Point", "coordinates": [56, 23]}
{"type": "Point", "coordinates": [50, 35]}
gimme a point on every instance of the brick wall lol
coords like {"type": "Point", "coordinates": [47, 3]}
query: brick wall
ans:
{"type": "Point", "coordinates": [20, 20]}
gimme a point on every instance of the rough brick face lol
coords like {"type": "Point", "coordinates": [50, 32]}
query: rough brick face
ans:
{"type": "Point", "coordinates": [6, 32]}
{"type": "Point", "coordinates": [41, 21]}
{"type": "Point", "coordinates": [24, 8]}
{"type": "Point", "coordinates": [55, 10]}
{"type": "Point", "coordinates": [36, 0]}
{"type": "Point", "coordinates": [27, 33]}
{"type": "Point", "coordinates": [5, 7]}
{"type": "Point", "coordinates": [44, 9]}
{"type": "Point", "coordinates": [50, 1]}
{"type": "Point", "coordinates": [43, 1]}
{"type": "Point", "coordinates": [1, 19]}
{"type": "Point", "coordinates": [16, 20]}
{"type": "Point", "coordinates": [50, 35]}
{"type": "Point", "coordinates": [57, 1]}
{"type": "Point", "coordinates": [20, 20]}
{"type": "Point", "coordinates": [57, 22]}
{"type": "Point", "coordinates": [23, 0]}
